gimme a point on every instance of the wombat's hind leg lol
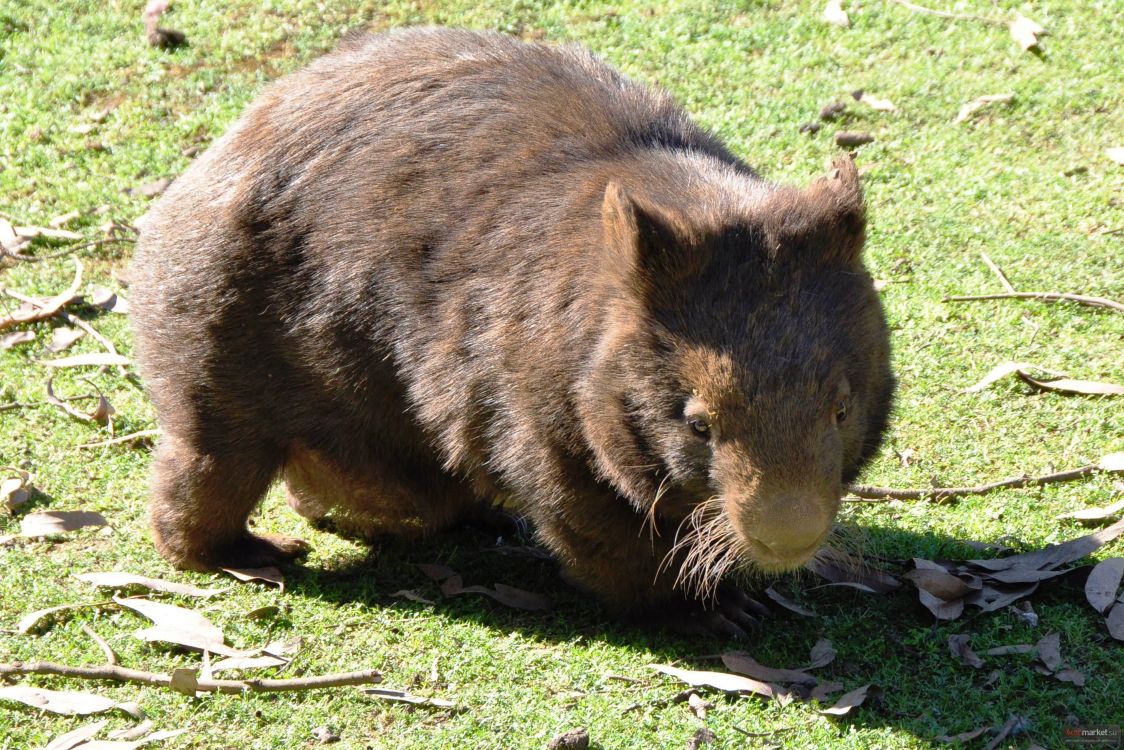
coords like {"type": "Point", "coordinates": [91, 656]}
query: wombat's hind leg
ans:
{"type": "Point", "coordinates": [200, 505]}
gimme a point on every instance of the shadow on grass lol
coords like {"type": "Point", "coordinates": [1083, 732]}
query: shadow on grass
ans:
{"type": "Point", "coordinates": [887, 640]}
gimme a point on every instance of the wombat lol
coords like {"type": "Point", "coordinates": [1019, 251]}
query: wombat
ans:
{"type": "Point", "coordinates": [437, 267]}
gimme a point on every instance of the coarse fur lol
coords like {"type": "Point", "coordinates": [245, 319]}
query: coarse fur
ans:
{"type": "Point", "coordinates": [437, 267]}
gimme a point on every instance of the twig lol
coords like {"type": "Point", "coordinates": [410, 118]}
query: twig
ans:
{"type": "Point", "coordinates": [110, 657]}
{"type": "Point", "coordinates": [121, 674]}
{"type": "Point", "coordinates": [131, 437]}
{"type": "Point", "coordinates": [998, 272]}
{"type": "Point", "coordinates": [880, 494]}
{"type": "Point", "coordinates": [46, 309]}
{"type": "Point", "coordinates": [946, 14]}
{"type": "Point", "coordinates": [13, 405]}
{"type": "Point", "coordinates": [73, 320]}
{"type": "Point", "coordinates": [1044, 297]}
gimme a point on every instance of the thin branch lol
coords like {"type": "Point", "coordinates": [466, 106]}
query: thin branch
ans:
{"type": "Point", "coordinates": [13, 405]}
{"type": "Point", "coordinates": [946, 14]}
{"type": "Point", "coordinates": [73, 320]}
{"type": "Point", "coordinates": [998, 272]}
{"type": "Point", "coordinates": [881, 494]}
{"type": "Point", "coordinates": [131, 437]}
{"type": "Point", "coordinates": [1044, 297]}
{"type": "Point", "coordinates": [110, 657]}
{"type": "Point", "coordinates": [121, 674]}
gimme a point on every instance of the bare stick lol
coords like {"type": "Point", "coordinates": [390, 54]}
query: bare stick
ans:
{"type": "Point", "coordinates": [1044, 297]}
{"type": "Point", "coordinates": [131, 437]}
{"type": "Point", "coordinates": [74, 320]}
{"type": "Point", "coordinates": [997, 271]}
{"type": "Point", "coordinates": [46, 309]}
{"type": "Point", "coordinates": [13, 405]}
{"type": "Point", "coordinates": [880, 494]}
{"type": "Point", "coordinates": [121, 674]}
{"type": "Point", "coordinates": [110, 657]}
{"type": "Point", "coordinates": [945, 14]}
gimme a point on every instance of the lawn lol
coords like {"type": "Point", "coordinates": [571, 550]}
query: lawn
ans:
{"type": "Point", "coordinates": [89, 113]}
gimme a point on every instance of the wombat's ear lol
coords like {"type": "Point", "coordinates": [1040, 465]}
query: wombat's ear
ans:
{"type": "Point", "coordinates": [828, 219]}
{"type": "Point", "coordinates": [647, 244]}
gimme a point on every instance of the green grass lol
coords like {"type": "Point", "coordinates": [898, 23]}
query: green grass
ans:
{"type": "Point", "coordinates": [939, 195]}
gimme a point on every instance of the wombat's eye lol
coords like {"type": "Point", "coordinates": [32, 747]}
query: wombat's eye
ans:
{"type": "Point", "coordinates": [841, 410]}
{"type": "Point", "coordinates": [700, 428]}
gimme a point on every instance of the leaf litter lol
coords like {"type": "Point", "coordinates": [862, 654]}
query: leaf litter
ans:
{"type": "Point", "coordinates": [15, 489]}
{"type": "Point", "coordinates": [119, 580]}
{"type": "Point", "coordinates": [179, 626]}
{"type": "Point", "coordinates": [52, 522]}
{"type": "Point", "coordinates": [65, 702]}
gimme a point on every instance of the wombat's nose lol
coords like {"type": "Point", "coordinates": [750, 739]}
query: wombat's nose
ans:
{"type": "Point", "coordinates": [793, 528]}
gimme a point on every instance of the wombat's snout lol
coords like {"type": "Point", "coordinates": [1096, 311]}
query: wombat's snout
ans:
{"type": "Point", "coordinates": [784, 530]}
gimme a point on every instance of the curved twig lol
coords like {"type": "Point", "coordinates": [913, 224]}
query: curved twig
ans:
{"type": "Point", "coordinates": [866, 494]}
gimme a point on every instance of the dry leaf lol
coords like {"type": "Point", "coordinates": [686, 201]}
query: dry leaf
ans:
{"type": "Point", "coordinates": [52, 522]}
{"type": "Point", "coordinates": [1025, 31]}
{"type": "Point", "coordinates": [248, 662]}
{"type": "Point", "coordinates": [1003, 370]}
{"type": "Point", "coordinates": [834, 14]}
{"type": "Point", "coordinates": [167, 734]}
{"type": "Point", "coordinates": [882, 105]}
{"type": "Point", "coordinates": [133, 732]}
{"type": "Point", "coordinates": [941, 609]}
{"type": "Point", "coordinates": [979, 103]}
{"type": "Point", "coordinates": [964, 736]}
{"type": "Point", "coordinates": [839, 567]}
{"type": "Point", "coordinates": [824, 689]}
{"type": "Point", "coordinates": [1049, 649]}
{"type": "Point", "coordinates": [851, 700]}
{"type": "Point", "coordinates": [49, 307]}
{"type": "Point", "coordinates": [37, 620]}
{"type": "Point", "coordinates": [263, 613]}
{"type": "Point", "coordinates": [1095, 514]}
{"type": "Point", "coordinates": [728, 683]}
{"type": "Point", "coordinates": [1115, 620]}
{"type": "Point", "coordinates": [959, 646]}
{"type": "Point", "coordinates": [1078, 387]}
{"type": "Point", "coordinates": [1055, 555]}
{"type": "Point", "coordinates": [96, 359]}
{"type": "Point", "coordinates": [412, 596]}
{"type": "Point", "coordinates": [1116, 154]}
{"type": "Point", "coordinates": [117, 580]}
{"type": "Point", "coordinates": [743, 663]}
{"type": "Point", "coordinates": [938, 582]}
{"type": "Point", "coordinates": [1071, 675]}
{"type": "Point", "coordinates": [284, 649]}
{"type": "Point", "coordinates": [787, 603]}
{"type": "Point", "coordinates": [1021, 648]}
{"type": "Point", "coordinates": [109, 301]}
{"type": "Point", "coordinates": [8, 340]}
{"type": "Point", "coordinates": [1112, 462]}
{"type": "Point", "coordinates": [436, 571]}
{"type": "Point", "coordinates": [75, 737]}
{"type": "Point", "coordinates": [823, 653]}
{"type": "Point", "coordinates": [991, 599]}
{"type": "Point", "coordinates": [49, 232]}
{"type": "Point", "coordinates": [698, 706]}
{"type": "Point", "coordinates": [62, 338]}
{"type": "Point", "coordinates": [15, 490]}
{"type": "Point", "coordinates": [183, 627]}
{"type": "Point", "coordinates": [404, 697]}
{"type": "Point", "coordinates": [63, 219]}
{"type": "Point", "coordinates": [63, 702]}
{"type": "Point", "coordinates": [270, 575]}
{"type": "Point", "coordinates": [101, 413]}
{"type": "Point", "coordinates": [1103, 582]}
{"type": "Point", "coordinates": [185, 681]}
{"type": "Point", "coordinates": [9, 240]}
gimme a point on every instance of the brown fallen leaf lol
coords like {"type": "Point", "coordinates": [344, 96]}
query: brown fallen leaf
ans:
{"type": "Point", "coordinates": [964, 736]}
{"type": "Point", "coordinates": [698, 705]}
{"type": "Point", "coordinates": [101, 413]}
{"type": "Point", "coordinates": [743, 663]}
{"type": "Point", "coordinates": [849, 701]}
{"type": "Point", "coordinates": [75, 737]}
{"type": "Point", "coordinates": [941, 609]}
{"type": "Point", "coordinates": [1076, 387]}
{"type": "Point", "coordinates": [63, 338]}
{"type": "Point", "coordinates": [821, 691]}
{"type": "Point", "coordinates": [1025, 32]}
{"type": "Point", "coordinates": [265, 661]}
{"type": "Point", "coordinates": [1021, 648]}
{"type": "Point", "coordinates": [1116, 154]}
{"type": "Point", "coordinates": [1071, 675]}
{"type": "Point", "coordinates": [15, 489]}
{"type": "Point", "coordinates": [1049, 649]}
{"type": "Point", "coordinates": [992, 599]}
{"type": "Point", "coordinates": [118, 580]}
{"type": "Point", "coordinates": [1095, 514]}
{"type": "Point", "coordinates": [509, 596]}
{"type": "Point", "coordinates": [183, 627]}
{"type": "Point", "coordinates": [727, 683]}
{"type": "Point", "coordinates": [787, 603]}
{"type": "Point", "coordinates": [8, 340]}
{"type": "Point", "coordinates": [959, 646]}
{"type": "Point", "coordinates": [1115, 620]}
{"type": "Point", "coordinates": [1103, 582]}
{"type": "Point", "coordinates": [48, 308]}
{"type": "Point", "coordinates": [34, 622]}
{"type": "Point", "coordinates": [1002, 370]}
{"type": "Point", "coordinates": [134, 732]}
{"type": "Point", "coordinates": [271, 575]}
{"type": "Point", "coordinates": [10, 241]}
{"type": "Point", "coordinates": [979, 103]}
{"type": "Point", "coordinates": [822, 654]}
{"type": "Point", "coordinates": [48, 523]}
{"type": "Point", "coordinates": [48, 232]}
{"type": "Point", "coordinates": [64, 702]}
{"type": "Point", "coordinates": [412, 596]}
{"type": "Point", "coordinates": [881, 105]}
{"type": "Point", "coordinates": [928, 576]}
{"type": "Point", "coordinates": [63, 219]}
{"type": "Point", "coordinates": [1055, 555]}
{"type": "Point", "coordinates": [401, 696]}
{"type": "Point", "coordinates": [839, 567]}
{"type": "Point", "coordinates": [95, 359]}
{"type": "Point", "coordinates": [834, 14]}
{"type": "Point", "coordinates": [436, 571]}
{"type": "Point", "coordinates": [109, 301]}
{"type": "Point", "coordinates": [284, 649]}
{"type": "Point", "coordinates": [160, 736]}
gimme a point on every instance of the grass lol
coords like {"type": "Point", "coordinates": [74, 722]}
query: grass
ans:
{"type": "Point", "coordinates": [1027, 182]}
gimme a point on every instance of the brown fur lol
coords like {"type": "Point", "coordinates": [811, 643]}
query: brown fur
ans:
{"type": "Point", "coordinates": [437, 266]}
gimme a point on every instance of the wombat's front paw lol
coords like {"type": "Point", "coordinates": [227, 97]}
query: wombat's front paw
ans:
{"type": "Point", "coordinates": [249, 551]}
{"type": "Point", "coordinates": [730, 615]}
